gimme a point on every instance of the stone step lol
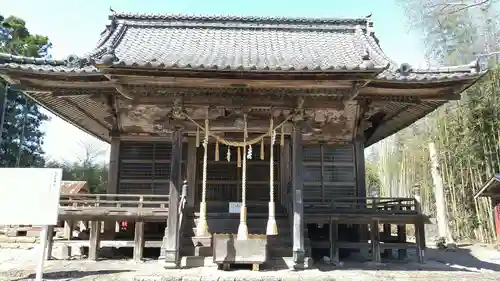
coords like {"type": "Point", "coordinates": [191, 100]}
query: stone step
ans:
{"type": "Point", "coordinates": [207, 241]}
{"type": "Point", "coordinates": [275, 263]}
{"type": "Point", "coordinates": [207, 251]}
{"type": "Point", "coordinates": [193, 261]}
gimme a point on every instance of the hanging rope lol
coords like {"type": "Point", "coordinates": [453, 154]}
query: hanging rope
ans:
{"type": "Point", "coordinates": [198, 136]}
{"type": "Point", "coordinates": [237, 143]}
{"type": "Point", "coordinates": [217, 151]}
{"type": "Point", "coordinates": [272, 228]}
{"type": "Point", "coordinates": [243, 228]}
{"type": "Point", "coordinates": [202, 229]}
{"type": "Point", "coordinates": [262, 149]}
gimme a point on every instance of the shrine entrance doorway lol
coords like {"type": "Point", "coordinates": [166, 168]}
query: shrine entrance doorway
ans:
{"type": "Point", "coordinates": [224, 178]}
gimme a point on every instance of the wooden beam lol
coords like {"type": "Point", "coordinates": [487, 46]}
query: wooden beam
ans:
{"type": "Point", "coordinates": [72, 84]}
{"type": "Point", "coordinates": [237, 74]}
{"type": "Point", "coordinates": [298, 202]}
{"type": "Point", "coordinates": [171, 241]}
{"type": "Point", "coordinates": [9, 79]}
{"type": "Point", "coordinates": [223, 83]}
{"type": "Point", "coordinates": [356, 89]}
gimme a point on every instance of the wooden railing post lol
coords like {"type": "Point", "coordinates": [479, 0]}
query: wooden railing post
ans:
{"type": "Point", "coordinates": [419, 225]}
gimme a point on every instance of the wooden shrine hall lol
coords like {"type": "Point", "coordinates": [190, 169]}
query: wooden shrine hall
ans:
{"type": "Point", "coordinates": [239, 134]}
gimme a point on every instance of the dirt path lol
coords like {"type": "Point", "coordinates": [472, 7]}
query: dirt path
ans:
{"type": "Point", "coordinates": [476, 263]}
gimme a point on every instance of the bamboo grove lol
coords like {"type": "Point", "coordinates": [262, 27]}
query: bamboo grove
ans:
{"type": "Point", "coordinates": [466, 133]}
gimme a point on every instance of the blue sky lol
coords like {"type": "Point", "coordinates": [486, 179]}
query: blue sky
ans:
{"type": "Point", "coordinates": [74, 26]}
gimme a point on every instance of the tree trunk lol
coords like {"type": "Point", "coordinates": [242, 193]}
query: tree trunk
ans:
{"type": "Point", "coordinates": [441, 217]}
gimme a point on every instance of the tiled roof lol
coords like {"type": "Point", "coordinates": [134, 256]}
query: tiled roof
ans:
{"type": "Point", "coordinates": [405, 73]}
{"type": "Point", "coordinates": [74, 187]}
{"type": "Point", "coordinates": [43, 65]}
{"type": "Point", "coordinates": [238, 43]}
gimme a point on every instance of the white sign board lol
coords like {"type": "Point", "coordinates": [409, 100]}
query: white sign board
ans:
{"type": "Point", "coordinates": [29, 196]}
{"type": "Point", "coordinates": [234, 207]}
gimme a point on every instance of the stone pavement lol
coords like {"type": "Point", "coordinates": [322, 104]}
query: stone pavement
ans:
{"type": "Point", "coordinates": [19, 264]}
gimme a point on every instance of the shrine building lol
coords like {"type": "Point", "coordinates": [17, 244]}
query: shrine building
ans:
{"type": "Point", "coordinates": [239, 129]}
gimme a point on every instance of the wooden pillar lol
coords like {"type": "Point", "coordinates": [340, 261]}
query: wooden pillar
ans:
{"type": "Point", "coordinates": [420, 241]}
{"type": "Point", "coordinates": [112, 187]}
{"type": "Point", "coordinates": [285, 170]}
{"type": "Point", "coordinates": [402, 253]}
{"type": "Point", "coordinates": [170, 247]}
{"type": "Point", "coordinates": [139, 241]}
{"type": "Point", "coordinates": [191, 166]}
{"type": "Point", "coordinates": [375, 239]}
{"type": "Point", "coordinates": [387, 238]}
{"type": "Point", "coordinates": [298, 203]}
{"type": "Point", "coordinates": [419, 225]}
{"type": "Point", "coordinates": [359, 156]}
{"type": "Point", "coordinates": [68, 235]}
{"type": "Point", "coordinates": [50, 242]}
{"type": "Point", "coordinates": [334, 237]}
{"type": "Point", "coordinates": [359, 159]}
{"type": "Point", "coordinates": [95, 232]}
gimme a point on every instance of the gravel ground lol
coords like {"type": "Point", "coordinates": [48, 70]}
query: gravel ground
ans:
{"type": "Point", "coordinates": [476, 262]}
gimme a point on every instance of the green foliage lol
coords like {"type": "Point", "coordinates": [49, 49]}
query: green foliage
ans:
{"type": "Point", "coordinates": [466, 133]}
{"type": "Point", "coordinates": [96, 175]}
{"type": "Point", "coordinates": [373, 183]}
{"type": "Point", "coordinates": [21, 42]}
{"type": "Point", "coordinates": [21, 139]}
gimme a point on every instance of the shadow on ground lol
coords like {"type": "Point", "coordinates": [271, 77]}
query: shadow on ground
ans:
{"type": "Point", "coordinates": [72, 274]}
{"type": "Point", "coordinates": [461, 259]}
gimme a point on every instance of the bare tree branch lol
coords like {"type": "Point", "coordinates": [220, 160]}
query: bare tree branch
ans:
{"type": "Point", "coordinates": [456, 7]}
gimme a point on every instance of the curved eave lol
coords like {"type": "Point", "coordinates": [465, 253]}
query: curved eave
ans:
{"type": "Point", "coordinates": [490, 189]}
{"type": "Point", "coordinates": [405, 114]}
{"type": "Point", "coordinates": [74, 110]}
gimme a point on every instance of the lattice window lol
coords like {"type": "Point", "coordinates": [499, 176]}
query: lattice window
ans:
{"type": "Point", "coordinates": [328, 172]}
{"type": "Point", "coordinates": [145, 167]}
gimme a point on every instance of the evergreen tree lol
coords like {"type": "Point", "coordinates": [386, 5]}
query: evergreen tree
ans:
{"type": "Point", "coordinates": [21, 138]}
